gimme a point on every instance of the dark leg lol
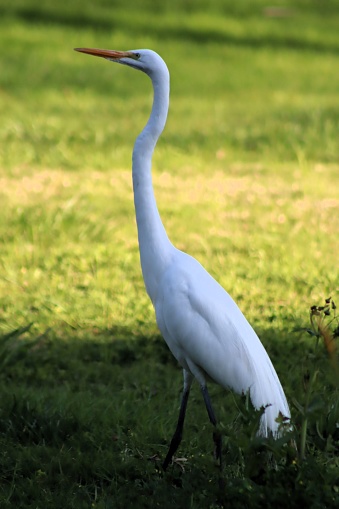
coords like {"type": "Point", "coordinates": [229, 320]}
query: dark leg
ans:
{"type": "Point", "coordinates": [175, 442]}
{"type": "Point", "coordinates": [176, 439]}
{"type": "Point", "coordinates": [216, 434]}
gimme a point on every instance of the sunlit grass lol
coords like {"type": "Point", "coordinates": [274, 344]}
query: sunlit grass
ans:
{"type": "Point", "coordinates": [78, 237]}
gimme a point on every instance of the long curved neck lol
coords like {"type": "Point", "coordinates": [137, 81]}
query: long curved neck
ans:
{"type": "Point", "coordinates": [155, 247]}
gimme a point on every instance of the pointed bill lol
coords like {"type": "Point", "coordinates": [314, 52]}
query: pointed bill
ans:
{"type": "Point", "coordinates": [107, 53]}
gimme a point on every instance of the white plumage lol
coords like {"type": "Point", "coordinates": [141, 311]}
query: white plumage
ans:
{"type": "Point", "coordinates": [203, 327]}
{"type": "Point", "coordinates": [208, 334]}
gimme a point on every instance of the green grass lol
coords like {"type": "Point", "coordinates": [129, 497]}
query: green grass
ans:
{"type": "Point", "coordinates": [246, 178]}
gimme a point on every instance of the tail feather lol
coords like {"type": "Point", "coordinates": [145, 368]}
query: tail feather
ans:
{"type": "Point", "coordinates": [267, 392]}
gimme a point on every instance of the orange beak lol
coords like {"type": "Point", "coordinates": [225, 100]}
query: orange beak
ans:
{"type": "Point", "coordinates": [107, 53]}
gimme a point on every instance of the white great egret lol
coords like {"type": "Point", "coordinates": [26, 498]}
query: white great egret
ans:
{"type": "Point", "coordinates": [203, 327]}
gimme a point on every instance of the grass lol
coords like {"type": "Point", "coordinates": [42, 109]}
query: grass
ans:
{"type": "Point", "coordinates": [246, 178]}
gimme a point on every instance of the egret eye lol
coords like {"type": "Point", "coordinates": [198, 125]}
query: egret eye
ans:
{"type": "Point", "coordinates": [137, 55]}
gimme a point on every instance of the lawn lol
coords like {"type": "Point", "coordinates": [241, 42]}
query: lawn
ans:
{"type": "Point", "coordinates": [246, 177]}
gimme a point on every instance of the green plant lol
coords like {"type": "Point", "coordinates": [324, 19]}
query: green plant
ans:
{"type": "Point", "coordinates": [322, 405]}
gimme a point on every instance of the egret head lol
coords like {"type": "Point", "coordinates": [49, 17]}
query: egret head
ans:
{"type": "Point", "coordinates": [145, 60]}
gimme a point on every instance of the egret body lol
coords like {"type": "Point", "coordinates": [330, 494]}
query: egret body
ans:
{"type": "Point", "coordinates": [201, 324]}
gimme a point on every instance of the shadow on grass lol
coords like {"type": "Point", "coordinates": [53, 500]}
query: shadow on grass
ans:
{"type": "Point", "coordinates": [78, 357]}
{"type": "Point", "coordinates": [197, 35]}
{"type": "Point", "coordinates": [84, 421]}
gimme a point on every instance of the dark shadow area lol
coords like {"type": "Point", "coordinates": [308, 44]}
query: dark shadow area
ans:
{"type": "Point", "coordinates": [80, 360]}
{"type": "Point", "coordinates": [88, 415]}
{"type": "Point", "coordinates": [81, 20]}
{"type": "Point", "coordinates": [90, 358]}
{"type": "Point", "coordinates": [76, 20]}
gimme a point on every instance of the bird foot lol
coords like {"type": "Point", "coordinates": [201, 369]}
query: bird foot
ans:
{"type": "Point", "coordinates": [155, 458]}
{"type": "Point", "coordinates": [178, 461]}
